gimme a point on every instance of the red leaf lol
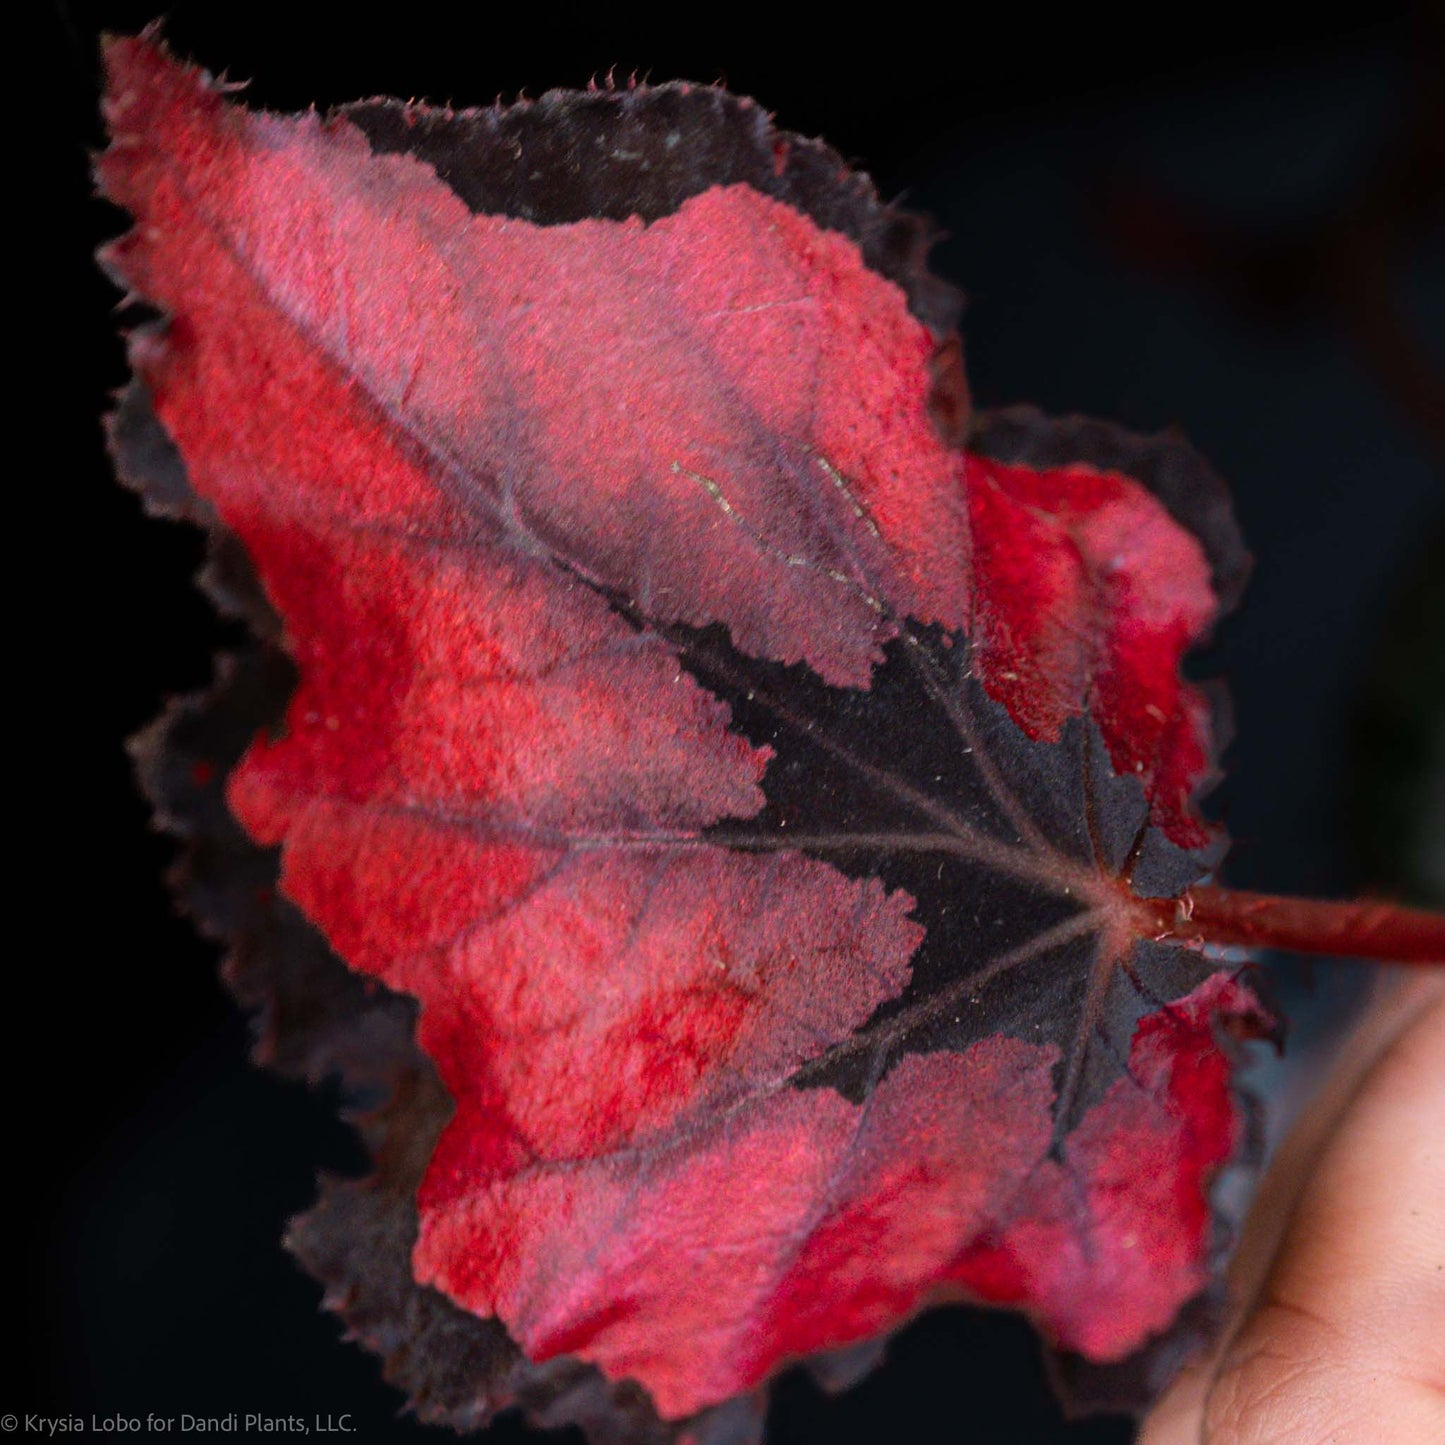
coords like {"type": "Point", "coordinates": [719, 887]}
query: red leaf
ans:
{"type": "Point", "coordinates": [756, 791]}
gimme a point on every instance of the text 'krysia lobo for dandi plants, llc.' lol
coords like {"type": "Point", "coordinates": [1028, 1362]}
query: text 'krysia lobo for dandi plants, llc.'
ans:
{"type": "Point", "coordinates": [234, 1422]}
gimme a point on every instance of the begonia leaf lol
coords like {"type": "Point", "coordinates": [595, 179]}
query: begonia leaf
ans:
{"type": "Point", "coordinates": [752, 778]}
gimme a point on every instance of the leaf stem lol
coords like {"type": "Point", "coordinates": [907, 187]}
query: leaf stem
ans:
{"type": "Point", "coordinates": [1385, 932]}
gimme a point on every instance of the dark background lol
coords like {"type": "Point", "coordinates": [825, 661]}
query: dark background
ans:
{"type": "Point", "coordinates": [1233, 226]}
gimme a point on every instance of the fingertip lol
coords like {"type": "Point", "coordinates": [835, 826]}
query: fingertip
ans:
{"type": "Point", "coordinates": [1347, 1339]}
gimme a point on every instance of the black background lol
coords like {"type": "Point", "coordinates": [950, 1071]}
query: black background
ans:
{"type": "Point", "coordinates": [150, 1170]}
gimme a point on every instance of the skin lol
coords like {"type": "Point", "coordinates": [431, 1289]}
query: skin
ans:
{"type": "Point", "coordinates": [1340, 1338]}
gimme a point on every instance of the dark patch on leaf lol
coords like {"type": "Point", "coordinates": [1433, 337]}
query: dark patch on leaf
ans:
{"type": "Point", "coordinates": [576, 155]}
{"type": "Point", "coordinates": [924, 781]}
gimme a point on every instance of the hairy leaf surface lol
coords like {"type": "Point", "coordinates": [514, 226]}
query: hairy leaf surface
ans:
{"type": "Point", "coordinates": [753, 786]}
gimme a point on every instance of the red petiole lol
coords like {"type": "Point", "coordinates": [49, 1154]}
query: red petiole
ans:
{"type": "Point", "coordinates": [1382, 931]}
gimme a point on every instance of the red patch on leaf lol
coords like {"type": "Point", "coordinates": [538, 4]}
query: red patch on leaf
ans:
{"type": "Point", "coordinates": [1089, 595]}
{"type": "Point", "coordinates": [1138, 1165]}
